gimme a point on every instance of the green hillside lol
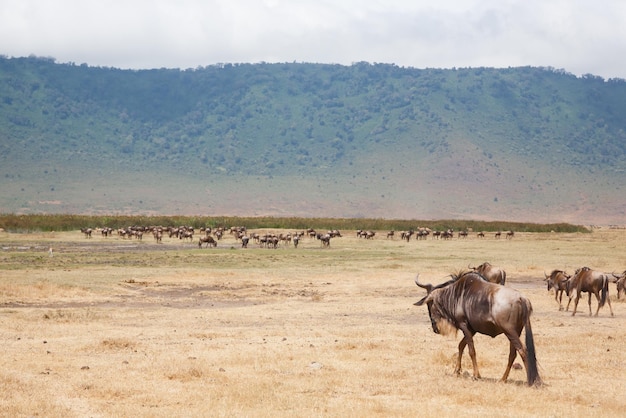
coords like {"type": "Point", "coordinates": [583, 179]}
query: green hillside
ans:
{"type": "Point", "coordinates": [366, 140]}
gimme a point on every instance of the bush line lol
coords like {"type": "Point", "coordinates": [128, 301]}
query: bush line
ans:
{"type": "Point", "coordinates": [67, 222]}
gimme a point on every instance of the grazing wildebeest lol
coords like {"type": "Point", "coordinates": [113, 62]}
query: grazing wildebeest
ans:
{"type": "Point", "coordinates": [407, 235]}
{"type": "Point", "coordinates": [470, 303]}
{"type": "Point", "coordinates": [557, 280]}
{"type": "Point", "coordinates": [447, 234]}
{"type": "Point", "coordinates": [244, 241]}
{"type": "Point", "coordinates": [590, 281]}
{"type": "Point", "coordinates": [481, 234]}
{"type": "Point", "coordinates": [86, 231]}
{"type": "Point", "coordinates": [510, 234]}
{"type": "Point", "coordinates": [490, 273]}
{"type": "Point", "coordinates": [498, 234]}
{"type": "Point", "coordinates": [208, 240]}
{"type": "Point", "coordinates": [325, 239]}
{"type": "Point", "coordinates": [620, 282]}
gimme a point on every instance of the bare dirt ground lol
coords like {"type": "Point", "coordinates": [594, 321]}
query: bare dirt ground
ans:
{"type": "Point", "coordinates": [113, 327]}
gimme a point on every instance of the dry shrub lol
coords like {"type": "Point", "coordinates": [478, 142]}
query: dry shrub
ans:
{"type": "Point", "coordinates": [118, 344]}
{"type": "Point", "coordinates": [66, 315]}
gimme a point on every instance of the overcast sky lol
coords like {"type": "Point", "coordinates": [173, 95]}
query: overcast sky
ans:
{"type": "Point", "coordinates": [578, 36]}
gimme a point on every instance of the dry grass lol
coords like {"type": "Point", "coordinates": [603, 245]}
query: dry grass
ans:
{"type": "Point", "coordinates": [119, 328]}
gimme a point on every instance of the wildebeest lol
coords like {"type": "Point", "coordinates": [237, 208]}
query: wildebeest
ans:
{"type": "Point", "coordinates": [490, 273]}
{"type": "Point", "coordinates": [620, 282]}
{"type": "Point", "coordinates": [208, 240]}
{"type": "Point", "coordinates": [590, 281]}
{"type": "Point", "coordinates": [510, 234]}
{"type": "Point", "coordinates": [470, 303]}
{"type": "Point", "coordinates": [325, 239]}
{"type": "Point", "coordinates": [557, 280]}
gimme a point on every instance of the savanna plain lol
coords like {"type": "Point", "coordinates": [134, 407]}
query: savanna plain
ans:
{"type": "Point", "coordinates": [116, 327]}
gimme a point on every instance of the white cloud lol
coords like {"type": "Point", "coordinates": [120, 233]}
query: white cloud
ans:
{"type": "Point", "coordinates": [580, 36]}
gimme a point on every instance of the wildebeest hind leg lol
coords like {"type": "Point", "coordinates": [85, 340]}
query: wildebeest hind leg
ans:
{"type": "Point", "coordinates": [514, 347]}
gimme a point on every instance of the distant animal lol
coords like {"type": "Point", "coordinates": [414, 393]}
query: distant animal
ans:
{"type": "Point", "coordinates": [407, 235]}
{"type": "Point", "coordinates": [510, 234]}
{"type": "Point", "coordinates": [447, 234]}
{"type": "Point", "coordinates": [557, 280]}
{"type": "Point", "coordinates": [325, 239]}
{"type": "Point", "coordinates": [244, 241]}
{"type": "Point", "coordinates": [592, 282]}
{"type": "Point", "coordinates": [481, 235]}
{"type": "Point", "coordinates": [469, 303]}
{"type": "Point", "coordinates": [498, 234]}
{"type": "Point", "coordinates": [208, 240]}
{"type": "Point", "coordinates": [490, 273]}
{"type": "Point", "coordinates": [86, 231]}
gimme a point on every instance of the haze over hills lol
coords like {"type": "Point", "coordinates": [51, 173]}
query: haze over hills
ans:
{"type": "Point", "coordinates": [297, 139]}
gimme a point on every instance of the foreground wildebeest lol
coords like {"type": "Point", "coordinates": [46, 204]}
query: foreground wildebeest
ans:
{"type": "Point", "coordinates": [493, 274]}
{"type": "Point", "coordinates": [208, 240]}
{"type": "Point", "coordinates": [557, 280]}
{"type": "Point", "coordinates": [590, 281]}
{"type": "Point", "coordinates": [470, 303]}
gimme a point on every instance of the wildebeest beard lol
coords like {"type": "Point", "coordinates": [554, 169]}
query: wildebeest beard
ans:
{"type": "Point", "coordinates": [441, 325]}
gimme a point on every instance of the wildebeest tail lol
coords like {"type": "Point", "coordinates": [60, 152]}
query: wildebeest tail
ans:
{"type": "Point", "coordinates": [532, 371]}
{"type": "Point", "coordinates": [605, 291]}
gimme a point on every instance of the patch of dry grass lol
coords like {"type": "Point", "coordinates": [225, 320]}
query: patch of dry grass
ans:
{"type": "Point", "coordinates": [306, 332]}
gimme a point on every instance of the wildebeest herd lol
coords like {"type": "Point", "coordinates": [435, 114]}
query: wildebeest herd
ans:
{"type": "Point", "coordinates": [586, 280]}
{"type": "Point", "coordinates": [476, 301]}
{"type": "Point", "coordinates": [209, 236]}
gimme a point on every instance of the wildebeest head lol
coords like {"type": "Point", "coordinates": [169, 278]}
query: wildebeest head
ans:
{"type": "Point", "coordinates": [439, 321]}
{"type": "Point", "coordinates": [556, 279]}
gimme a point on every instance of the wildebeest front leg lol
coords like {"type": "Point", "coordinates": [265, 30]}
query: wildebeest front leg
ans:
{"type": "Point", "coordinates": [575, 303]}
{"type": "Point", "coordinates": [462, 345]}
{"type": "Point", "coordinates": [469, 341]}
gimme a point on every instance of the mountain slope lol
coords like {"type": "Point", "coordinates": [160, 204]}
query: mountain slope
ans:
{"type": "Point", "coordinates": [312, 140]}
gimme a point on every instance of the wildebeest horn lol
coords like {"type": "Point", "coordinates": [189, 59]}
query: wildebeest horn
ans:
{"type": "Point", "coordinates": [428, 287]}
{"type": "Point", "coordinates": [546, 276]}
